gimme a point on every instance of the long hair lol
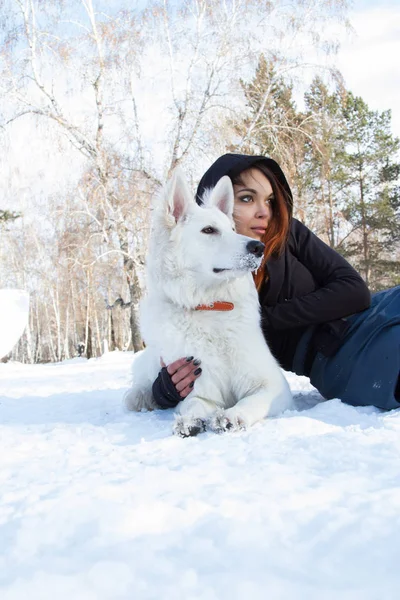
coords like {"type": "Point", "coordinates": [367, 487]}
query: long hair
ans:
{"type": "Point", "coordinates": [278, 227]}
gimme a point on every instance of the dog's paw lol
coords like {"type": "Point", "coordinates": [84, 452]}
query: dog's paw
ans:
{"type": "Point", "coordinates": [219, 422]}
{"type": "Point", "coordinates": [188, 427]}
{"type": "Point", "coordinates": [222, 421]}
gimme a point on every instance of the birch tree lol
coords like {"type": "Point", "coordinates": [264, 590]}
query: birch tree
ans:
{"type": "Point", "coordinates": [88, 54]}
{"type": "Point", "coordinates": [134, 91]}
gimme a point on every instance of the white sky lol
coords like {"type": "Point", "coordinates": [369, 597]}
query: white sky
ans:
{"type": "Point", "coordinates": [368, 59]}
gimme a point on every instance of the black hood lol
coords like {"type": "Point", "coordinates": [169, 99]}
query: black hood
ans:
{"type": "Point", "coordinates": [232, 165]}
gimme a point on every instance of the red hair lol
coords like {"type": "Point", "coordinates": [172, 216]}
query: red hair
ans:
{"type": "Point", "coordinates": [278, 227]}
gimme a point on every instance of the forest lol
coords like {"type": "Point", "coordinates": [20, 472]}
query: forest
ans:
{"type": "Point", "coordinates": [101, 101]}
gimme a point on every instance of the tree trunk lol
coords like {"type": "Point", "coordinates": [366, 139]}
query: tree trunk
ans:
{"type": "Point", "coordinates": [66, 337]}
{"type": "Point", "coordinates": [134, 291]}
{"type": "Point", "coordinates": [51, 343]}
{"type": "Point", "coordinates": [331, 216]}
{"type": "Point", "coordinates": [137, 342]}
{"type": "Point", "coordinates": [111, 341]}
{"type": "Point", "coordinates": [98, 336]}
{"type": "Point", "coordinates": [89, 345]}
{"type": "Point", "coordinates": [365, 240]}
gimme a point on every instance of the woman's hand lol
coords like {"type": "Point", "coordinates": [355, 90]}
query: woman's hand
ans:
{"type": "Point", "coordinates": [175, 381]}
{"type": "Point", "coordinates": [183, 373]}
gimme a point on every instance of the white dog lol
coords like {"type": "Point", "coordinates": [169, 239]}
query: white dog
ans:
{"type": "Point", "coordinates": [196, 259]}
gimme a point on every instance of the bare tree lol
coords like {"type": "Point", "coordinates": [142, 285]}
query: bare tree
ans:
{"type": "Point", "coordinates": [134, 92]}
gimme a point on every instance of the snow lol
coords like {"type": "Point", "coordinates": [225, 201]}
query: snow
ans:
{"type": "Point", "coordinates": [14, 311]}
{"type": "Point", "coordinates": [100, 504]}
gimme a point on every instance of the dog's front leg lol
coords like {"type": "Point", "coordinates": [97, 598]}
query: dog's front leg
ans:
{"type": "Point", "coordinates": [144, 371]}
{"type": "Point", "coordinates": [193, 414]}
{"type": "Point", "coordinates": [244, 414]}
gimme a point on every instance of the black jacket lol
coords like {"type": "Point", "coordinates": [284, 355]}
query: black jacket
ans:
{"type": "Point", "coordinates": [309, 284]}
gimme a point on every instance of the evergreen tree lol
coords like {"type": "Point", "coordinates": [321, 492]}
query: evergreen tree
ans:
{"type": "Point", "coordinates": [6, 215]}
{"type": "Point", "coordinates": [272, 111]}
{"type": "Point", "coordinates": [321, 170]}
{"type": "Point", "coordinates": [342, 163]}
{"type": "Point", "coordinates": [372, 171]}
{"type": "Point", "coordinates": [272, 125]}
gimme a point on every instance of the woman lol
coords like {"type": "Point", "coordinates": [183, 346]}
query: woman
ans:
{"type": "Point", "coordinates": [317, 315]}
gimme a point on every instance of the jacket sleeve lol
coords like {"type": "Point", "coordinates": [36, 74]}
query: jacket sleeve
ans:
{"type": "Point", "coordinates": [165, 393]}
{"type": "Point", "coordinates": [341, 292]}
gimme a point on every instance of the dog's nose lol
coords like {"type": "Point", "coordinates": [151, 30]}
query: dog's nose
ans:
{"type": "Point", "coordinates": [256, 248]}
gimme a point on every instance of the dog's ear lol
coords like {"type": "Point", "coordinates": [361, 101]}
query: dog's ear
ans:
{"type": "Point", "coordinates": [222, 196]}
{"type": "Point", "coordinates": [178, 196]}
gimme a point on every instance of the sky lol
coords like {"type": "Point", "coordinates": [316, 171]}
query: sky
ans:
{"type": "Point", "coordinates": [368, 58]}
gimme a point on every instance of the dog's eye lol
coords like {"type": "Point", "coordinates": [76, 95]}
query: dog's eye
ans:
{"type": "Point", "coordinates": [209, 230]}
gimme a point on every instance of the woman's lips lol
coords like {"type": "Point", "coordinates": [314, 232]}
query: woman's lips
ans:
{"type": "Point", "coordinates": [259, 230]}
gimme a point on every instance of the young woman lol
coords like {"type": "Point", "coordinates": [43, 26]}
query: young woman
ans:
{"type": "Point", "coordinates": [318, 317]}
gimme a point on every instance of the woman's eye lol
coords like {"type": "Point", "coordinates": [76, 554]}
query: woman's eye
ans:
{"type": "Point", "coordinates": [246, 199]}
{"type": "Point", "coordinates": [209, 230]}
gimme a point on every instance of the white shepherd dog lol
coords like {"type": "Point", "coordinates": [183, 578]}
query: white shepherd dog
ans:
{"type": "Point", "coordinates": [195, 260]}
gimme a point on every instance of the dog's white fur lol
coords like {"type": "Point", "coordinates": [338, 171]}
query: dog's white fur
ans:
{"type": "Point", "coordinates": [241, 382]}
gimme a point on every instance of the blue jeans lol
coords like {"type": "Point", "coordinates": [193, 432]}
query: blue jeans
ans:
{"type": "Point", "coordinates": [365, 369]}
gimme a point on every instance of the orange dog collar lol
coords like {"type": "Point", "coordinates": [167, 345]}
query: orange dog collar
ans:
{"type": "Point", "coordinates": [224, 306]}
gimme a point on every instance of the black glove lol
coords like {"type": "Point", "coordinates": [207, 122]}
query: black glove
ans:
{"type": "Point", "coordinates": [165, 393]}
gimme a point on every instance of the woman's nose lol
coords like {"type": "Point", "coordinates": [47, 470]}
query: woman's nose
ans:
{"type": "Point", "coordinates": [262, 210]}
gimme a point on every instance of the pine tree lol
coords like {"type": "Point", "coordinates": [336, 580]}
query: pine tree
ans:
{"type": "Point", "coordinates": [341, 160]}
{"type": "Point", "coordinates": [387, 267]}
{"type": "Point", "coordinates": [371, 168]}
{"type": "Point", "coordinates": [321, 170]}
{"type": "Point", "coordinates": [6, 215]}
{"type": "Point", "coordinates": [271, 124]}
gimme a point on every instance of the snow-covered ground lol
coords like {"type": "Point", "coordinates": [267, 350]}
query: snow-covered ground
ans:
{"type": "Point", "coordinates": [100, 504]}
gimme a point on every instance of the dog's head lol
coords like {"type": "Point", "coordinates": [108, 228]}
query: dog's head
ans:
{"type": "Point", "coordinates": [200, 242]}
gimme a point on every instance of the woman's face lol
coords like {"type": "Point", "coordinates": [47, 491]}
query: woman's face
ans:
{"type": "Point", "coordinates": [252, 208]}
